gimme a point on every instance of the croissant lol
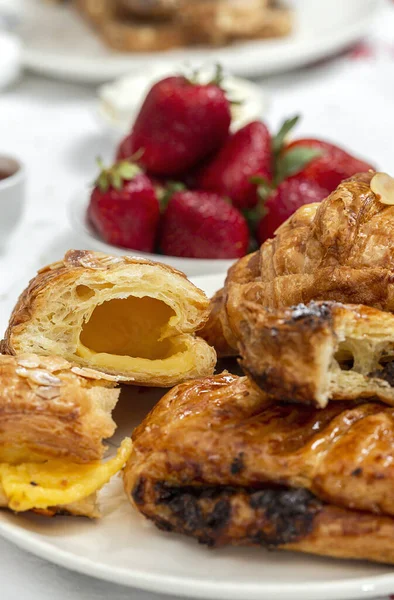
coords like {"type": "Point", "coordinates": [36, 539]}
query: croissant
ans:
{"type": "Point", "coordinates": [128, 317]}
{"type": "Point", "coordinates": [341, 249]}
{"type": "Point", "coordinates": [283, 476]}
{"type": "Point", "coordinates": [54, 417]}
{"type": "Point", "coordinates": [317, 352]}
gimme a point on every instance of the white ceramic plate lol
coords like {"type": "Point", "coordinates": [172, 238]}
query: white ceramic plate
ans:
{"type": "Point", "coordinates": [58, 43]}
{"type": "Point", "coordinates": [125, 548]}
{"type": "Point", "coordinates": [92, 241]}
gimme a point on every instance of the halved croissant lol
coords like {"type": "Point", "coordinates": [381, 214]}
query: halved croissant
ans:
{"type": "Point", "coordinates": [54, 417]}
{"type": "Point", "coordinates": [129, 317]}
{"type": "Point", "coordinates": [341, 249]}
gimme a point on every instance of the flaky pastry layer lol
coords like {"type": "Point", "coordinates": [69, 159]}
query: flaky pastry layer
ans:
{"type": "Point", "coordinates": [128, 317]}
{"type": "Point", "coordinates": [317, 352]}
{"type": "Point", "coordinates": [341, 250]}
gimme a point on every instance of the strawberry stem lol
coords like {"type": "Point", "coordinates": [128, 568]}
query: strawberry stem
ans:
{"type": "Point", "coordinates": [279, 139]}
{"type": "Point", "coordinates": [290, 162]}
{"type": "Point", "coordinates": [100, 163]}
{"type": "Point", "coordinates": [293, 161]}
{"type": "Point", "coordinates": [171, 188]}
{"type": "Point", "coordinates": [217, 79]}
{"type": "Point", "coordinates": [116, 175]}
{"type": "Point", "coordinates": [219, 75]}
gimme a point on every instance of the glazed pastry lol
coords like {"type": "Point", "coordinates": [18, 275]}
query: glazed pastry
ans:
{"type": "Point", "coordinates": [53, 419]}
{"type": "Point", "coordinates": [217, 330]}
{"type": "Point", "coordinates": [125, 25]}
{"type": "Point", "coordinates": [341, 249]}
{"type": "Point", "coordinates": [128, 317]}
{"type": "Point", "coordinates": [152, 25]}
{"type": "Point", "coordinates": [317, 352]}
{"type": "Point", "coordinates": [219, 22]}
{"type": "Point", "coordinates": [263, 473]}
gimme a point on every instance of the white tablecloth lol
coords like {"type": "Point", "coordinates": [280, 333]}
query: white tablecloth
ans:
{"type": "Point", "coordinates": [52, 127]}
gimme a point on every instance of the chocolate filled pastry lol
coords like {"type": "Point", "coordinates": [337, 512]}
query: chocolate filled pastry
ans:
{"type": "Point", "coordinates": [318, 352]}
{"type": "Point", "coordinates": [264, 473]}
{"type": "Point", "coordinates": [54, 418]}
{"type": "Point", "coordinates": [128, 317]}
{"type": "Point", "coordinates": [341, 250]}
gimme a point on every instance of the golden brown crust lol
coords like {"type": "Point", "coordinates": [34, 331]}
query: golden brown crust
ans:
{"type": "Point", "coordinates": [50, 408]}
{"type": "Point", "coordinates": [343, 454]}
{"type": "Point", "coordinates": [217, 331]}
{"type": "Point", "coordinates": [275, 518]}
{"type": "Point", "coordinates": [132, 26]}
{"type": "Point", "coordinates": [340, 250]}
{"type": "Point", "coordinates": [317, 352]}
{"type": "Point", "coordinates": [50, 314]}
{"type": "Point", "coordinates": [126, 32]}
{"type": "Point", "coordinates": [262, 473]}
{"type": "Point", "coordinates": [220, 22]}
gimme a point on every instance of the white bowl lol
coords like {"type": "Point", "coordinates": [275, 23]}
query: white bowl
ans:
{"type": "Point", "coordinates": [120, 100]}
{"type": "Point", "coordinates": [12, 195]}
{"type": "Point", "coordinates": [190, 266]}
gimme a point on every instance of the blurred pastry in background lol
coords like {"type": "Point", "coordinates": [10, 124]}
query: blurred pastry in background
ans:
{"type": "Point", "coordinates": [154, 25]}
{"type": "Point", "coordinates": [220, 22]}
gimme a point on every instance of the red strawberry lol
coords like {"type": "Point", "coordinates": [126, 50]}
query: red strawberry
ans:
{"type": "Point", "coordinates": [245, 154]}
{"type": "Point", "coordinates": [179, 124]}
{"type": "Point", "coordinates": [124, 207]}
{"type": "Point", "coordinates": [331, 167]}
{"type": "Point", "coordinates": [199, 224]}
{"type": "Point", "coordinates": [284, 201]}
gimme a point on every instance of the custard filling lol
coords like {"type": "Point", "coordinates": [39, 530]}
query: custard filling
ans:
{"type": "Point", "coordinates": [57, 481]}
{"type": "Point", "coordinates": [133, 334]}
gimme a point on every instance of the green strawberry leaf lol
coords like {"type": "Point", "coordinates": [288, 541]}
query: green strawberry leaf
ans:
{"type": "Point", "coordinates": [219, 75]}
{"type": "Point", "coordinates": [194, 77]}
{"type": "Point", "coordinates": [293, 161]}
{"type": "Point", "coordinates": [116, 180]}
{"type": "Point", "coordinates": [279, 139]}
{"type": "Point", "coordinates": [264, 187]}
{"type": "Point", "coordinates": [115, 176]}
{"type": "Point", "coordinates": [127, 170]}
{"type": "Point", "coordinates": [254, 215]}
{"type": "Point", "coordinates": [168, 191]}
{"type": "Point", "coordinates": [102, 182]}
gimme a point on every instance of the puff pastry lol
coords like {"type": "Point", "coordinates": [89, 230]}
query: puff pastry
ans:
{"type": "Point", "coordinates": [341, 249]}
{"type": "Point", "coordinates": [129, 317]}
{"type": "Point", "coordinates": [53, 419]}
{"type": "Point", "coordinates": [317, 352]}
{"type": "Point", "coordinates": [264, 473]}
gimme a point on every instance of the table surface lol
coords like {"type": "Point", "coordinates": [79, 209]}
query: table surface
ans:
{"type": "Point", "coordinates": [52, 127]}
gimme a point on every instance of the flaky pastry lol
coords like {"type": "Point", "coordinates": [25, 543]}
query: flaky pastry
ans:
{"type": "Point", "coordinates": [341, 249]}
{"type": "Point", "coordinates": [263, 473]}
{"type": "Point", "coordinates": [129, 317]}
{"type": "Point", "coordinates": [318, 352]}
{"type": "Point", "coordinates": [54, 417]}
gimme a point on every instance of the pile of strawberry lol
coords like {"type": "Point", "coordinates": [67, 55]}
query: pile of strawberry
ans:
{"type": "Point", "coordinates": [183, 185]}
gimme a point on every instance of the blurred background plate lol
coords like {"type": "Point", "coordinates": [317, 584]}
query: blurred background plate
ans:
{"type": "Point", "coordinates": [59, 44]}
